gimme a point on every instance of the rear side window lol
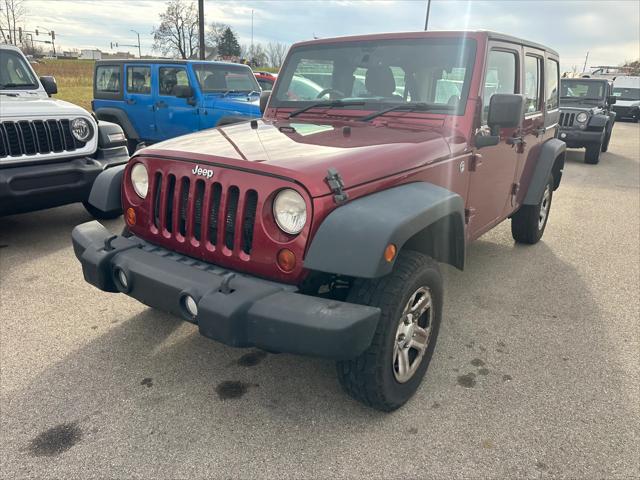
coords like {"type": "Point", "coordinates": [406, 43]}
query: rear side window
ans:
{"type": "Point", "coordinates": [108, 79]}
{"type": "Point", "coordinates": [170, 77]}
{"type": "Point", "coordinates": [532, 74]}
{"type": "Point", "coordinates": [500, 77]}
{"type": "Point", "coordinates": [139, 80]}
{"type": "Point", "coordinates": [553, 76]}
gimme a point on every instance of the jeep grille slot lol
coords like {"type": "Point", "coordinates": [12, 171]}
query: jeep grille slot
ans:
{"type": "Point", "coordinates": [214, 211]}
{"type": "Point", "coordinates": [197, 212]}
{"type": "Point", "coordinates": [168, 221]}
{"type": "Point", "coordinates": [567, 119]}
{"type": "Point", "coordinates": [36, 137]}
{"type": "Point", "coordinates": [156, 199]}
{"type": "Point", "coordinates": [184, 200]}
{"type": "Point", "coordinates": [230, 218]}
{"type": "Point", "coordinates": [248, 220]}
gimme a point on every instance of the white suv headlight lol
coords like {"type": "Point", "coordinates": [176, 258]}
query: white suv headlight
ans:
{"type": "Point", "coordinates": [290, 211]}
{"type": "Point", "coordinates": [140, 179]}
{"type": "Point", "coordinates": [582, 117]}
{"type": "Point", "coordinates": [81, 129]}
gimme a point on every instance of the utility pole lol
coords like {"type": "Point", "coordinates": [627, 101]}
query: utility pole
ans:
{"type": "Point", "coordinates": [426, 20]}
{"type": "Point", "coordinates": [201, 28]}
{"type": "Point", "coordinates": [139, 49]}
{"type": "Point", "coordinates": [584, 69]}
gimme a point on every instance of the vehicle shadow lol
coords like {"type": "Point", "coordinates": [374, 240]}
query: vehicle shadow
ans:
{"type": "Point", "coordinates": [39, 234]}
{"type": "Point", "coordinates": [151, 383]}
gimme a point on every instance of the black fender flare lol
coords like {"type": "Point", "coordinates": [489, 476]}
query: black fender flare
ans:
{"type": "Point", "coordinates": [551, 150]}
{"type": "Point", "coordinates": [231, 119]}
{"type": "Point", "coordinates": [116, 115]}
{"type": "Point", "coordinates": [421, 216]}
{"type": "Point", "coordinates": [598, 122]}
{"type": "Point", "coordinates": [106, 190]}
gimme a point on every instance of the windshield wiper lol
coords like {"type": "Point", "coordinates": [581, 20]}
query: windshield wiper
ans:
{"type": "Point", "coordinates": [332, 104]}
{"type": "Point", "coordinates": [409, 107]}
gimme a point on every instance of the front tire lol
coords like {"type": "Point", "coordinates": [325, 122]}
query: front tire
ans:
{"type": "Point", "coordinates": [390, 371]}
{"type": "Point", "coordinates": [99, 214]}
{"type": "Point", "coordinates": [592, 154]}
{"type": "Point", "coordinates": [528, 223]}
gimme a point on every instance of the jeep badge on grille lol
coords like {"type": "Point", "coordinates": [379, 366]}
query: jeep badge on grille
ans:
{"type": "Point", "coordinates": [205, 172]}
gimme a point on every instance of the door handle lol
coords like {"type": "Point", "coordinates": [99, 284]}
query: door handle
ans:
{"type": "Point", "coordinates": [130, 101]}
{"type": "Point", "coordinates": [541, 131]}
{"type": "Point", "coordinates": [517, 141]}
{"type": "Point", "coordinates": [161, 104]}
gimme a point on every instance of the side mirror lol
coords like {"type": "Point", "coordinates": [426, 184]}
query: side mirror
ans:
{"type": "Point", "coordinates": [264, 99]}
{"type": "Point", "coordinates": [612, 99]}
{"type": "Point", "coordinates": [50, 85]}
{"type": "Point", "coordinates": [506, 110]}
{"type": "Point", "coordinates": [183, 91]}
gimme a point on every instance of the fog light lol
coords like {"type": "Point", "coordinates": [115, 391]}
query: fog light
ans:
{"type": "Point", "coordinates": [122, 279]}
{"type": "Point", "coordinates": [131, 216]}
{"type": "Point", "coordinates": [286, 260]}
{"type": "Point", "coordinates": [190, 305]}
{"type": "Point", "coordinates": [563, 135]}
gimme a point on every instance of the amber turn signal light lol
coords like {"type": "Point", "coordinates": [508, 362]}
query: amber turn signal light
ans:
{"type": "Point", "coordinates": [130, 216]}
{"type": "Point", "coordinates": [286, 260]}
{"type": "Point", "coordinates": [390, 252]}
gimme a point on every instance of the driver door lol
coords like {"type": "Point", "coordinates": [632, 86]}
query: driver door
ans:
{"type": "Point", "coordinates": [174, 116]}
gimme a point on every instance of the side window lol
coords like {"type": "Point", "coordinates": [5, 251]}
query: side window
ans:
{"type": "Point", "coordinates": [500, 77]}
{"type": "Point", "coordinates": [169, 77]}
{"type": "Point", "coordinates": [532, 74]}
{"type": "Point", "coordinates": [265, 84]}
{"type": "Point", "coordinates": [553, 75]}
{"type": "Point", "coordinates": [139, 80]}
{"type": "Point", "coordinates": [108, 79]}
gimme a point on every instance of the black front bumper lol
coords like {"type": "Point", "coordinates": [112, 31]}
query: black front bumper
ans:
{"type": "Point", "coordinates": [235, 309]}
{"type": "Point", "coordinates": [24, 188]}
{"type": "Point", "coordinates": [575, 138]}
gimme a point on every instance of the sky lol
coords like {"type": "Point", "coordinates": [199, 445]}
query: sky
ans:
{"type": "Point", "coordinates": [608, 29]}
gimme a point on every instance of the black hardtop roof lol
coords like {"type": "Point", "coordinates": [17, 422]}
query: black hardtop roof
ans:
{"type": "Point", "coordinates": [586, 79]}
{"type": "Point", "coordinates": [166, 61]}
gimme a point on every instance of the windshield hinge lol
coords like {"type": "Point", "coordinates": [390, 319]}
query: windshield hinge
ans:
{"type": "Point", "coordinates": [336, 184]}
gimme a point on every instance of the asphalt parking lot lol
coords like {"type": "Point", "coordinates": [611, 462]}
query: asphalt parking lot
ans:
{"type": "Point", "coordinates": [535, 373]}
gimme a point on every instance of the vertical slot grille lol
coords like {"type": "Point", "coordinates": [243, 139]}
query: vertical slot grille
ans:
{"type": "Point", "coordinates": [184, 202]}
{"type": "Point", "coordinates": [230, 217]}
{"type": "Point", "coordinates": [197, 211]}
{"type": "Point", "coordinates": [248, 221]}
{"type": "Point", "coordinates": [156, 199]}
{"type": "Point", "coordinates": [214, 211]}
{"type": "Point", "coordinates": [44, 144]}
{"type": "Point", "coordinates": [57, 141]}
{"type": "Point", "coordinates": [168, 221]}
{"type": "Point", "coordinates": [28, 137]}
{"type": "Point", "coordinates": [38, 136]}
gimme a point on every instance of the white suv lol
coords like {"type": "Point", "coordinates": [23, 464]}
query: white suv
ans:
{"type": "Point", "coordinates": [51, 151]}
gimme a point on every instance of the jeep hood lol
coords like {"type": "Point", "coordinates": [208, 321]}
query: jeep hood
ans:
{"type": "Point", "coordinates": [304, 151]}
{"type": "Point", "coordinates": [233, 102]}
{"type": "Point", "coordinates": [35, 106]}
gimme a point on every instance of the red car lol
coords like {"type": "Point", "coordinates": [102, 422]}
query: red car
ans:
{"type": "Point", "coordinates": [318, 229]}
{"type": "Point", "coordinates": [265, 80]}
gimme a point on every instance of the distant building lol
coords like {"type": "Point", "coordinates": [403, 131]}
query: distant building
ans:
{"type": "Point", "coordinates": [119, 55]}
{"type": "Point", "coordinates": [90, 54]}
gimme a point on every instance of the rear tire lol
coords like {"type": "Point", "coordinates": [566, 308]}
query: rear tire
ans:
{"type": "Point", "coordinates": [528, 223]}
{"type": "Point", "coordinates": [99, 214]}
{"type": "Point", "coordinates": [390, 371]}
{"type": "Point", "coordinates": [592, 154]}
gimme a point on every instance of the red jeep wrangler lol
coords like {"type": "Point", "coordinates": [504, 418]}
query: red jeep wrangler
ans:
{"type": "Point", "coordinates": [318, 229]}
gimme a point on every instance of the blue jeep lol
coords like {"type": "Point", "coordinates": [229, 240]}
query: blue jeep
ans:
{"type": "Point", "coordinates": [153, 100]}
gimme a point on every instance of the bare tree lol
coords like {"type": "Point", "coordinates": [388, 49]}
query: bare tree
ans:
{"type": "Point", "coordinates": [214, 34]}
{"type": "Point", "coordinates": [276, 52]}
{"type": "Point", "coordinates": [177, 33]}
{"type": "Point", "coordinates": [12, 13]}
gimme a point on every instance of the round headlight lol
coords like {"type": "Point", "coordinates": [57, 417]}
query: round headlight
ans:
{"type": "Point", "coordinates": [81, 129]}
{"type": "Point", "coordinates": [582, 117]}
{"type": "Point", "coordinates": [140, 179]}
{"type": "Point", "coordinates": [290, 211]}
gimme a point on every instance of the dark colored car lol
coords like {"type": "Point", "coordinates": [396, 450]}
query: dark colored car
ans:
{"type": "Point", "coordinates": [586, 118]}
{"type": "Point", "coordinates": [318, 230]}
{"type": "Point", "coordinates": [154, 100]}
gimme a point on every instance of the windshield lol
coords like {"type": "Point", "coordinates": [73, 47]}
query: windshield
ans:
{"type": "Point", "coordinates": [382, 73]}
{"type": "Point", "coordinates": [15, 73]}
{"type": "Point", "coordinates": [584, 90]}
{"type": "Point", "coordinates": [626, 93]}
{"type": "Point", "coordinates": [225, 78]}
